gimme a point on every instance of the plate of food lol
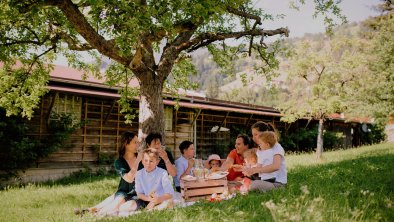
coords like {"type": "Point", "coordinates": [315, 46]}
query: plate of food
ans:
{"type": "Point", "coordinates": [189, 178]}
{"type": "Point", "coordinates": [222, 172]}
{"type": "Point", "coordinates": [217, 175]}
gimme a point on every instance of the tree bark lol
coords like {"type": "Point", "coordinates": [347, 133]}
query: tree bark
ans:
{"type": "Point", "coordinates": [319, 149]}
{"type": "Point", "coordinates": [151, 107]}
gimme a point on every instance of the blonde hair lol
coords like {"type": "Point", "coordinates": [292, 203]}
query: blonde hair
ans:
{"type": "Point", "coordinates": [151, 152]}
{"type": "Point", "coordinates": [268, 137]}
{"type": "Point", "coordinates": [250, 154]}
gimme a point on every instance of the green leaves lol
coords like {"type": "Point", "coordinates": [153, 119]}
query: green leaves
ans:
{"type": "Point", "coordinates": [21, 88]}
{"type": "Point", "coordinates": [320, 74]}
{"type": "Point", "coordinates": [180, 78]}
{"type": "Point", "coordinates": [129, 33]}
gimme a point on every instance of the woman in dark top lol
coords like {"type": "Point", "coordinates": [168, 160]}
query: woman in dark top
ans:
{"type": "Point", "coordinates": [126, 166]}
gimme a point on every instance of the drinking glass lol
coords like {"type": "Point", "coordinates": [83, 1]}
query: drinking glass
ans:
{"type": "Point", "coordinates": [198, 170]}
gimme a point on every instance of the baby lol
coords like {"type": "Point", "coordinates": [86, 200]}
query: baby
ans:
{"type": "Point", "coordinates": [250, 158]}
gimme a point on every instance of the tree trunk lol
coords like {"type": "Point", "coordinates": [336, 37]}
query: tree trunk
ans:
{"type": "Point", "coordinates": [151, 108]}
{"type": "Point", "coordinates": [319, 149]}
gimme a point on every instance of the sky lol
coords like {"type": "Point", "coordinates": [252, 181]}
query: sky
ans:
{"type": "Point", "coordinates": [301, 22]}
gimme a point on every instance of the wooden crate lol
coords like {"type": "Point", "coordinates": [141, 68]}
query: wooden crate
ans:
{"type": "Point", "coordinates": [202, 189]}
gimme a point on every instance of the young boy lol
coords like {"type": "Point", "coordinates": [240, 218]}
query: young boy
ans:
{"type": "Point", "coordinates": [152, 183]}
{"type": "Point", "coordinates": [184, 163]}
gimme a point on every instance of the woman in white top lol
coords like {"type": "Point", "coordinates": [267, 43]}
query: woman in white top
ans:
{"type": "Point", "coordinates": [270, 156]}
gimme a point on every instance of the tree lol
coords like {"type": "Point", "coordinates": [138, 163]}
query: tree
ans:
{"type": "Point", "coordinates": [131, 34]}
{"type": "Point", "coordinates": [320, 73]}
{"type": "Point", "coordinates": [373, 94]}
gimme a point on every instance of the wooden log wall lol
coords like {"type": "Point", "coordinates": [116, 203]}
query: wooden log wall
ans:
{"type": "Point", "coordinates": [96, 140]}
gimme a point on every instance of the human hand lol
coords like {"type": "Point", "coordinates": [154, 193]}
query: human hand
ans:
{"type": "Point", "coordinates": [140, 155]}
{"type": "Point", "coordinates": [153, 202]}
{"type": "Point", "coordinates": [163, 154]}
{"type": "Point", "coordinates": [237, 167]}
{"type": "Point", "coordinates": [238, 179]}
{"type": "Point", "coordinates": [152, 195]}
{"type": "Point", "coordinates": [248, 172]}
{"type": "Point", "coordinates": [150, 205]}
{"type": "Point", "coordinates": [190, 162]}
{"type": "Point", "coordinates": [214, 169]}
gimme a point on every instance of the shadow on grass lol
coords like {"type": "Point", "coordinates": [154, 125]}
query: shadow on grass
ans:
{"type": "Point", "coordinates": [83, 176]}
{"type": "Point", "coordinates": [79, 177]}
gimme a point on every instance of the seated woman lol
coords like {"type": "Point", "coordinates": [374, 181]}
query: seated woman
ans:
{"type": "Point", "coordinates": [272, 169]}
{"type": "Point", "coordinates": [126, 166]}
{"type": "Point", "coordinates": [235, 159]}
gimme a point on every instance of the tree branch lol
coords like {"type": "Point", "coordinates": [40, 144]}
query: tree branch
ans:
{"type": "Point", "coordinates": [79, 22]}
{"type": "Point", "coordinates": [171, 52]}
{"type": "Point", "coordinates": [72, 43]}
{"type": "Point", "coordinates": [244, 14]}
{"type": "Point", "coordinates": [203, 38]}
{"type": "Point", "coordinates": [15, 42]}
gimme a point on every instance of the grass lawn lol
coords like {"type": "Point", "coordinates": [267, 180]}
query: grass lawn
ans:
{"type": "Point", "coordinates": [347, 185]}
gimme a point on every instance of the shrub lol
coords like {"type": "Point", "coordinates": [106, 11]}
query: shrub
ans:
{"type": "Point", "coordinates": [20, 150]}
{"type": "Point", "coordinates": [305, 140]}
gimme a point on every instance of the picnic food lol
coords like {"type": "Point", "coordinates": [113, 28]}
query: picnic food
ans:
{"type": "Point", "coordinates": [237, 166]}
{"type": "Point", "coordinates": [188, 178]}
{"type": "Point", "coordinates": [219, 197]}
{"type": "Point", "coordinates": [217, 175]}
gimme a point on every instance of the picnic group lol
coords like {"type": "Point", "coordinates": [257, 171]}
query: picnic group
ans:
{"type": "Point", "coordinates": [148, 176]}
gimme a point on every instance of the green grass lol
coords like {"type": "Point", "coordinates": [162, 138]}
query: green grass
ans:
{"type": "Point", "coordinates": [347, 185]}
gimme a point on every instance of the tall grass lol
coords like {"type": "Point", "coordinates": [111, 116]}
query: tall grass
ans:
{"type": "Point", "coordinates": [347, 185]}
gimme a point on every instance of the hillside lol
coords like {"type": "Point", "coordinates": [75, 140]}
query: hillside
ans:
{"type": "Point", "coordinates": [245, 85]}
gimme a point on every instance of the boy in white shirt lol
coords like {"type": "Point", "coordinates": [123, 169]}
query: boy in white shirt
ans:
{"type": "Point", "coordinates": [152, 183]}
{"type": "Point", "coordinates": [184, 163]}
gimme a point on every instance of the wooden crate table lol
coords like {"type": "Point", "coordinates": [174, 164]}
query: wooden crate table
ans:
{"type": "Point", "coordinates": [202, 189]}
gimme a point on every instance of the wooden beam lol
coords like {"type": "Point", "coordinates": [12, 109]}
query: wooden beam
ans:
{"type": "Point", "coordinates": [247, 122]}
{"type": "Point", "coordinates": [117, 130]}
{"type": "Point", "coordinates": [84, 129]}
{"type": "Point", "coordinates": [175, 129]}
{"type": "Point", "coordinates": [195, 118]}
{"type": "Point", "coordinates": [50, 107]}
{"type": "Point", "coordinates": [101, 125]}
{"type": "Point", "coordinates": [110, 111]}
{"type": "Point", "coordinates": [221, 124]}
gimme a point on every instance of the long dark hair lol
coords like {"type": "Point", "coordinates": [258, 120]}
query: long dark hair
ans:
{"type": "Point", "coordinates": [125, 139]}
{"type": "Point", "coordinates": [263, 126]}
